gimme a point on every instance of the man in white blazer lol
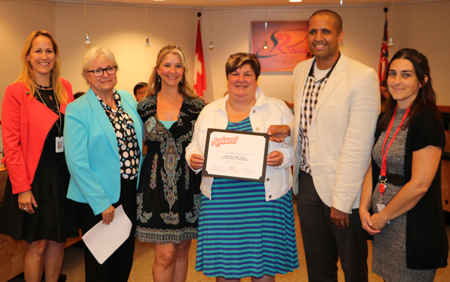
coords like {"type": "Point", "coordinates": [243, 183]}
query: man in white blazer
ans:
{"type": "Point", "coordinates": [336, 104]}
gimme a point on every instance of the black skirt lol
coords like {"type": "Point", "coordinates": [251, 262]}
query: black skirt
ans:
{"type": "Point", "coordinates": [55, 217]}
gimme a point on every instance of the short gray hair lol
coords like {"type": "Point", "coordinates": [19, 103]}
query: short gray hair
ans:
{"type": "Point", "coordinates": [93, 54]}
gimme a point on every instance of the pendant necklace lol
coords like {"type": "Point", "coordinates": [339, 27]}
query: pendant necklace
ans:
{"type": "Point", "coordinates": [59, 140]}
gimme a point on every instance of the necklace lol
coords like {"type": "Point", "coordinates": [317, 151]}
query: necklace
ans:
{"type": "Point", "coordinates": [59, 140]}
{"type": "Point", "coordinates": [44, 87]}
{"type": "Point", "coordinates": [57, 108]}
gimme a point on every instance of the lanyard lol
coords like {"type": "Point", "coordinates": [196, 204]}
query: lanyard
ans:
{"type": "Point", "coordinates": [382, 186]}
{"type": "Point", "coordinates": [59, 112]}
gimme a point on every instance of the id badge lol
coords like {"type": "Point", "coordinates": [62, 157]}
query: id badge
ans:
{"type": "Point", "coordinates": [380, 207]}
{"type": "Point", "coordinates": [59, 144]}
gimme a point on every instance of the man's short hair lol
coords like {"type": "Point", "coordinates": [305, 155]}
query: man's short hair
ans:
{"type": "Point", "coordinates": [139, 86]}
{"type": "Point", "coordinates": [337, 18]}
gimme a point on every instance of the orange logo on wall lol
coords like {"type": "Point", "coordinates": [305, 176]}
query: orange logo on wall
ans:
{"type": "Point", "coordinates": [287, 43]}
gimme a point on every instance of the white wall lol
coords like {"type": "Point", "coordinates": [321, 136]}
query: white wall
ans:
{"type": "Point", "coordinates": [231, 33]}
{"type": "Point", "coordinates": [426, 27]}
{"type": "Point", "coordinates": [17, 20]}
{"type": "Point", "coordinates": [122, 29]}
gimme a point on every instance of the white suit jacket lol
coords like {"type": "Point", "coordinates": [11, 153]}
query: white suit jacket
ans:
{"type": "Point", "coordinates": [341, 133]}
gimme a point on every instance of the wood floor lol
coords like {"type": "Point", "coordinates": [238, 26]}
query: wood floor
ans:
{"type": "Point", "coordinates": [144, 256]}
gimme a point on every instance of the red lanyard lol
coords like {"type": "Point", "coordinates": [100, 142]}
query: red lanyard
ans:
{"type": "Point", "coordinates": [382, 186]}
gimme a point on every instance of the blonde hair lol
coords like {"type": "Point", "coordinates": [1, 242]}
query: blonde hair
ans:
{"type": "Point", "coordinates": [93, 54]}
{"type": "Point", "coordinates": [184, 88]}
{"type": "Point", "coordinates": [27, 74]}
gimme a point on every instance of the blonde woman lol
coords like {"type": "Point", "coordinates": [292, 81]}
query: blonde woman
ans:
{"type": "Point", "coordinates": [35, 207]}
{"type": "Point", "coordinates": [169, 193]}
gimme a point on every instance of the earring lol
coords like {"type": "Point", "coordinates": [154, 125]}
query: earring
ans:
{"type": "Point", "coordinates": [159, 79]}
{"type": "Point", "coordinates": [181, 81]}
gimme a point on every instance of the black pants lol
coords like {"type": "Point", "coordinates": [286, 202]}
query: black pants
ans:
{"type": "Point", "coordinates": [324, 242]}
{"type": "Point", "coordinates": [117, 267]}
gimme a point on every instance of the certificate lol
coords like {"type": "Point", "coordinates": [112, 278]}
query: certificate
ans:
{"type": "Point", "coordinates": [236, 155]}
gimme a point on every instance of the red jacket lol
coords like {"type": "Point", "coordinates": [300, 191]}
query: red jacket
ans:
{"type": "Point", "coordinates": [25, 125]}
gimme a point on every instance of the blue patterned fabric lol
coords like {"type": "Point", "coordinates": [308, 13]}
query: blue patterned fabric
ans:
{"type": "Point", "coordinates": [242, 235]}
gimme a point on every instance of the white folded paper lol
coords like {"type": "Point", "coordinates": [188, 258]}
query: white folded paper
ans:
{"type": "Point", "coordinates": [103, 240]}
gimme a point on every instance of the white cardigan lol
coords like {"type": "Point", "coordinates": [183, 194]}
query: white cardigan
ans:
{"type": "Point", "coordinates": [266, 111]}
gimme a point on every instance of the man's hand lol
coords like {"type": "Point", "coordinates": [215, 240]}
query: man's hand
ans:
{"type": "Point", "coordinates": [196, 161]}
{"type": "Point", "coordinates": [340, 219]}
{"type": "Point", "coordinates": [275, 158]}
{"type": "Point", "coordinates": [277, 133]}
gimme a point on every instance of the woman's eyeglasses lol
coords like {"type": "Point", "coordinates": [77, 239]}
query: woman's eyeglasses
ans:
{"type": "Point", "coordinates": [99, 71]}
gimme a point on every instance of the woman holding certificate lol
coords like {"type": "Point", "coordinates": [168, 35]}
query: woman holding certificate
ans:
{"type": "Point", "coordinates": [103, 155]}
{"type": "Point", "coordinates": [246, 228]}
{"type": "Point", "coordinates": [403, 186]}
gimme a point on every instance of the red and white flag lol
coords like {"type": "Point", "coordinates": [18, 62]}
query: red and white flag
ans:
{"type": "Point", "coordinates": [384, 61]}
{"type": "Point", "coordinates": [199, 67]}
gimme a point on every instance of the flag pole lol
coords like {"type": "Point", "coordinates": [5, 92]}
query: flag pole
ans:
{"type": "Point", "coordinates": [384, 57]}
{"type": "Point", "coordinates": [199, 64]}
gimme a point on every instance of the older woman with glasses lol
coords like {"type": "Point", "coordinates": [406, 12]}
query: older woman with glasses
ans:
{"type": "Point", "coordinates": [245, 228]}
{"type": "Point", "coordinates": [103, 156]}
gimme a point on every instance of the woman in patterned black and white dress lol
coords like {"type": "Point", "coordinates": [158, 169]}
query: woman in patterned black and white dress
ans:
{"type": "Point", "coordinates": [169, 194]}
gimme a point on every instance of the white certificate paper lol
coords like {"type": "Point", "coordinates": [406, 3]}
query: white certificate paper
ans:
{"type": "Point", "coordinates": [103, 240]}
{"type": "Point", "coordinates": [236, 155]}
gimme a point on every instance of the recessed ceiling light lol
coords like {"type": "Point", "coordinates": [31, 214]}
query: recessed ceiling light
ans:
{"type": "Point", "coordinates": [295, 0]}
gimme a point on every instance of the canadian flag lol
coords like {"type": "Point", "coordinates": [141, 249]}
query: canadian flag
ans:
{"type": "Point", "coordinates": [199, 68]}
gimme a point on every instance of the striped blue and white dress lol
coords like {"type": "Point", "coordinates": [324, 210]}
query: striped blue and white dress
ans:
{"type": "Point", "coordinates": [243, 235]}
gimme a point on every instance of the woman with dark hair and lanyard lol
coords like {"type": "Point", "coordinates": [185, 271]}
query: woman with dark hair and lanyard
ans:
{"type": "Point", "coordinates": [403, 185]}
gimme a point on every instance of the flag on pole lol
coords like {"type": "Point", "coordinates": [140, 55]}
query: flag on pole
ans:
{"type": "Point", "coordinates": [384, 51]}
{"type": "Point", "coordinates": [199, 67]}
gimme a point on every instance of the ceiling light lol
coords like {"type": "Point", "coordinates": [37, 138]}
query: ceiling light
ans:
{"type": "Point", "coordinates": [295, 0]}
{"type": "Point", "coordinates": [147, 40]}
{"type": "Point", "coordinates": [87, 42]}
{"type": "Point", "coordinates": [211, 44]}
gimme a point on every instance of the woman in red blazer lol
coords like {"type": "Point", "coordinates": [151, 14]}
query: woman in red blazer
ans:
{"type": "Point", "coordinates": [35, 207]}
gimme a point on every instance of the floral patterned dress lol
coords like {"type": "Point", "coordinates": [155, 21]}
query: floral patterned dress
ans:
{"type": "Point", "coordinates": [168, 198]}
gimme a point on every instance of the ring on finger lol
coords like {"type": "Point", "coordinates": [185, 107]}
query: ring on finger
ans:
{"type": "Point", "coordinates": [24, 208]}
